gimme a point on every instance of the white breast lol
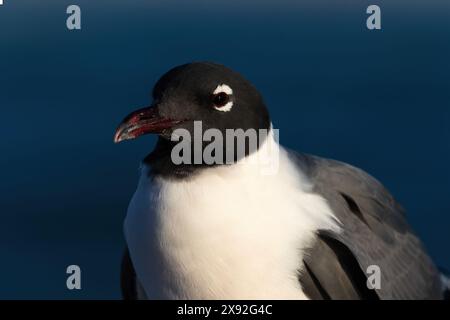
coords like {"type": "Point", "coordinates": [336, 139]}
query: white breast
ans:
{"type": "Point", "coordinates": [230, 232]}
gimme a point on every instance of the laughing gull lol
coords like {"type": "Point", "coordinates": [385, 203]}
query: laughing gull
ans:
{"type": "Point", "coordinates": [313, 229]}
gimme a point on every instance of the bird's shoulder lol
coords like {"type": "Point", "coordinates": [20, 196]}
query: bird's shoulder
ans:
{"type": "Point", "coordinates": [350, 188]}
{"type": "Point", "coordinates": [374, 232]}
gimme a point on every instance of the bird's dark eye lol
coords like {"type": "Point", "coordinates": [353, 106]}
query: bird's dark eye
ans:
{"type": "Point", "coordinates": [220, 99]}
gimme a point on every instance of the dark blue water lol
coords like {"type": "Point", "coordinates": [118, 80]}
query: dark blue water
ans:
{"type": "Point", "coordinates": [379, 100]}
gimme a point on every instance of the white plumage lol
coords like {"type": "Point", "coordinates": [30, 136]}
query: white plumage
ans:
{"type": "Point", "coordinates": [228, 232]}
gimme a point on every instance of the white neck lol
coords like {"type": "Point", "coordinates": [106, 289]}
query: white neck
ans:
{"type": "Point", "coordinates": [229, 232]}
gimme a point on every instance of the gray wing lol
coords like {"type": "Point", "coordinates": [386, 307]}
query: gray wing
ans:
{"type": "Point", "coordinates": [129, 283]}
{"type": "Point", "coordinates": [374, 232]}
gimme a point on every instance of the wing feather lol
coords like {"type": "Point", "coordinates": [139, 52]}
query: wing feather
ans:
{"type": "Point", "coordinates": [375, 231]}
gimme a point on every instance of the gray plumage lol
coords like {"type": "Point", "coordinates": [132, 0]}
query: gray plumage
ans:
{"type": "Point", "coordinates": [374, 232]}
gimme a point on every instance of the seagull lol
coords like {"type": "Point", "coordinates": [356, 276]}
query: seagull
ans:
{"type": "Point", "coordinates": [313, 228]}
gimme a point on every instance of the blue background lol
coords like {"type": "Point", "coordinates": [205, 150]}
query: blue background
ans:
{"type": "Point", "coordinates": [379, 100]}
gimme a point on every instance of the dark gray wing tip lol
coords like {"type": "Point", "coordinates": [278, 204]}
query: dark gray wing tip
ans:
{"type": "Point", "coordinates": [331, 271]}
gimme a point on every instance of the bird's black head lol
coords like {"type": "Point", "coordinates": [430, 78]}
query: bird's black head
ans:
{"type": "Point", "coordinates": [203, 92]}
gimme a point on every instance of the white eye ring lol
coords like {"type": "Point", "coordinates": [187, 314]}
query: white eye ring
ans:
{"type": "Point", "coordinates": [225, 89]}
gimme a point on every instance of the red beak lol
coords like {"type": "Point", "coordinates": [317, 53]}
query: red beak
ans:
{"type": "Point", "coordinates": [142, 121]}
